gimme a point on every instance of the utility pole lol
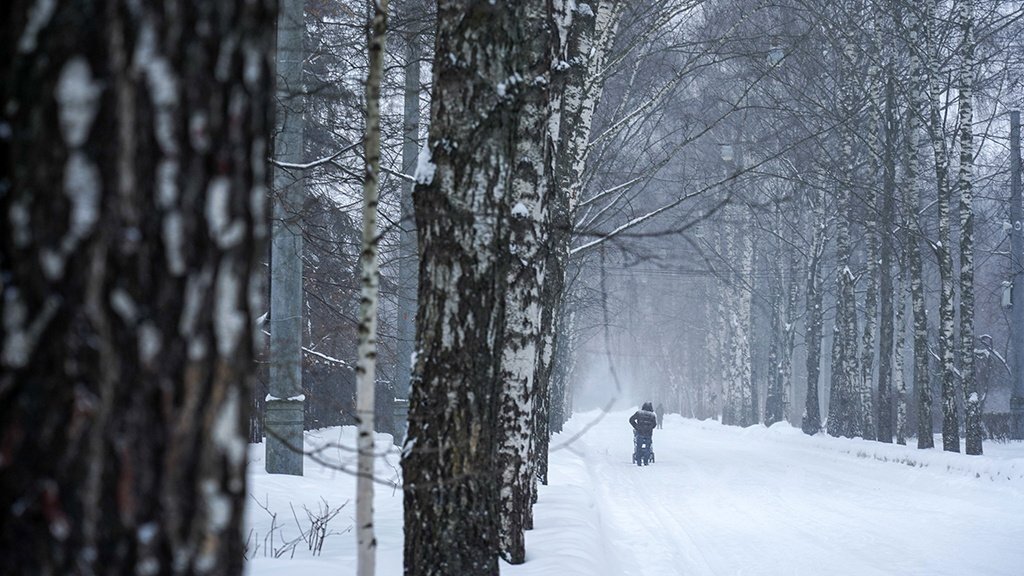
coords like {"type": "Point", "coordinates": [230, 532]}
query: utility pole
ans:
{"type": "Point", "coordinates": [283, 418]}
{"type": "Point", "coordinates": [1017, 279]}
{"type": "Point", "coordinates": [408, 263]}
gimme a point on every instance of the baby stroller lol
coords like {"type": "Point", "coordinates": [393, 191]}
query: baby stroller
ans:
{"type": "Point", "coordinates": [643, 450]}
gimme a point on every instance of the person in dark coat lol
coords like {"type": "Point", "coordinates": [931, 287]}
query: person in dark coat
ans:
{"type": "Point", "coordinates": [644, 420]}
{"type": "Point", "coordinates": [660, 413]}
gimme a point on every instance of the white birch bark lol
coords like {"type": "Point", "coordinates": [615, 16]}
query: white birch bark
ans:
{"type": "Point", "coordinates": [913, 190]}
{"type": "Point", "coordinates": [887, 209]}
{"type": "Point", "coordinates": [844, 402]}
{"type": "Point", "coordinates": [727, 335]}
{"type": "Point", "coordinates": [734, 309]}
{"type": "Point", "coordinates": [866, 384]}
{"type": "Point", "coordinates": [528, 225]}
{"type": "Point", "coordinates": [587, 43]}
{"type": "Point", "coordinates": [366, 367]}
{"type": "Point", "coordinates": [944, 246]}
{"type": "Point", "coordinates": [745, 262]}
{"type": "Point", "coordinates": [793, 280]}
{"type": "Point", "coordinates": [972, 401]}
{"type": "Point", "coordinates": [899, 372]}
{"type": "Point", "coordinates": [775, 400]}
{"type": "Point", "coordinates": [450, 463]}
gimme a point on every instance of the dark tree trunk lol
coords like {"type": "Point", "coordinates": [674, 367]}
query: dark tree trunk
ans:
{"type": "Point", "coordinates": [134, 208]}
{"type": "Point", "coordinates": [811, 422]}
{"type": "Point", "coordinates": [452, 479]}
{"type": "Point", "coordinates": [775, 398]}
{"type": "Point", "coordinates": [913, 192]}
{"type": "Point", "coordinates": [886, 330]}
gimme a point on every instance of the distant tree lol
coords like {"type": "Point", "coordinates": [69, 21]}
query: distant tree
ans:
{"type": "Point", "coordinates": [413, 39]}
{"type": "Point", "coordinates": [913, 193]}
{"type": "Point", "coordinates": [943, 248]}
{"type": "Point", "coordinates": [133, 141]}
{"type": "Point", "coordinates": [813, 323]}
{"type": "Point", "coordinates": [965, 186]}
{"type": "Point", "coordinates": [888, 294]}
{"type": "Point", "coordinates": [844, 399]}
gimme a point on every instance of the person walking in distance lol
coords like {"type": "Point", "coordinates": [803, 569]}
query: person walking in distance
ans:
{"type": "Point", "coordinates": [643, 422]}
{"type": "Point", "coordinates": [660, 413]}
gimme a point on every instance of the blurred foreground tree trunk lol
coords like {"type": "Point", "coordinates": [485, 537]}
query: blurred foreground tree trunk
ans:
{"type": "Point", "coordinates": [132, 144]}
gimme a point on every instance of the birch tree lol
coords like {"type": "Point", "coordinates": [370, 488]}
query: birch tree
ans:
{"type": "Point", "coordinates": [943, 247]}
{"type": "Point", "coordinates": [843, 418]}
{"type": "Point", "coordinates": [888, 298]}
{"type": "Point", "coordinates": [134, 223]}
{"type": "Point", "coordinates": [450, 461]}
{"type": "Point", "coordinates": [529, 195]}
{"type": "Point", "coordinates": [811, 422]}
{"type": "Point", "coordinates": [366, 368]}
{"type": "Point", "coordinates": [972, 401]}
{"type": "Point", "coordinates": [913, 191]}
{"type": "Point", "coordinates": [585, 49]}
{"type": "Point", "coordinates": [875, 96]}
{"type": "Point", "coordinates": [775, 399]}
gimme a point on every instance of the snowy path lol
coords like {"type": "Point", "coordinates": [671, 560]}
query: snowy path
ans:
{"type": "Point", "coordinates": [720, 501]}
{"type": "Point", "coordinates": [727, 501]}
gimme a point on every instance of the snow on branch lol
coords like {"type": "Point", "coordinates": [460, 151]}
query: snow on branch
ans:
{"type": "Point", "coordinates": [315, 163]}
{"type": "Point", "coordinates": [321, 355]}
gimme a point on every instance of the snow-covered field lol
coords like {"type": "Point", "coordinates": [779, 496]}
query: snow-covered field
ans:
{"type": "Point", "coordinates": [719, 501]}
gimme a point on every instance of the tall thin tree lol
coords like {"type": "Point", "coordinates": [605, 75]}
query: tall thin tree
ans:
{"type": "Point", "coordinates": [366, 368]}
{"type": "Point", "coordinates": [972, 401]}
{"type": "Point", "coordinates": [914, 236]}
{"type": "Point", "coordinates": [943, 247]}
{"type": "Point", "coordinates": [814, 320]}
{"type": "Point", "coordinates": [888, 298]}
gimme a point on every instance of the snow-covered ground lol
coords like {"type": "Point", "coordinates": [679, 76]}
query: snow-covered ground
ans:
{"type": "Point", "coordinates": [719, 501]}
